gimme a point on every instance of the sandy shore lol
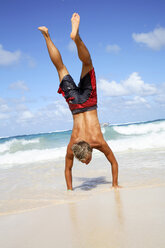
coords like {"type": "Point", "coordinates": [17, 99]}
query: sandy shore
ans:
{"type": "Point", "coordinates": [125, 218]}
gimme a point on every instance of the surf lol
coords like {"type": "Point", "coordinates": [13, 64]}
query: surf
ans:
{"type": "Point", "coordinates": [52, 146]}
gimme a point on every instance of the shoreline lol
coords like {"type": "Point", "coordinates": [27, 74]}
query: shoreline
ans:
{"type": "Point", "coordinates": [41, 185]}
{"type": "Point", "coordinates": [116, 218]}
{"type": "Point", "coordinates": [85, 198]}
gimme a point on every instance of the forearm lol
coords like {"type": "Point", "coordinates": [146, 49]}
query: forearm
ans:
{"type": "Point", "coordinates": [68, 178]}
{"type": "Point", "coordinates": [114, 168]}
{"type": "Point", "coordinates": [111, 158]}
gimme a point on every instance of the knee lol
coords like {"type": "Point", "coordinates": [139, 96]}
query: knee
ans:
{"type": "Point", "coordinates": [62, 69]}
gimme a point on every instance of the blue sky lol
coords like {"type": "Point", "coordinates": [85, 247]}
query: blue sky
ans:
{"type": "Point", "coordinates": [126, 40]}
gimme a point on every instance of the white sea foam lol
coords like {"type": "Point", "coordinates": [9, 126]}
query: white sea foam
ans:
{"type": "Point", "coordinates": [9, 160]}
{"type": "Point", "coordinates": [33, 141]}
{"type": "Point", "coordinates": [103, 130]}
{"type": "Point", "coordinates": [120, 138]}
{"type": "Point", "coordinates": [55, 131]}
{"type": "Point", "coordinates": [8, 144]}
{"type": "Point", "coordinates": [147, 141]}
{"type": "Point", "coordinates": [140, 128]}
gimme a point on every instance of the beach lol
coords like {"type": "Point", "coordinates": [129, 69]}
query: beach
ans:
{"type": "Point", "coordinates": [82, 79]}
{"type": "Point", "coordinates": [36, 210]}
{"type": "Point", "coordinates": [94, 214]}
{"type": "Point", "coordinates": [116, 218]}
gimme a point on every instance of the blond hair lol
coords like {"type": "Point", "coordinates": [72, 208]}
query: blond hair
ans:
{"type": "Point", "coordinates": [81, 150]}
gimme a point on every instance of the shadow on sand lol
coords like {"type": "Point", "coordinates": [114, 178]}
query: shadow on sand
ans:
{"type": "Point", "coordinates": [90, 183]}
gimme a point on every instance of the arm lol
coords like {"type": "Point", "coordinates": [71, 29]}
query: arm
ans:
{"type": "Point", "coordinates": [68, 168]}
{"type": "Point", "coordinates": [111, 158]}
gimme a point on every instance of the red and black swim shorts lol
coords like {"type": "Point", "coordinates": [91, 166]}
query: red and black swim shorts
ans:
{"type": "Point", "coordinates": [80, 98]}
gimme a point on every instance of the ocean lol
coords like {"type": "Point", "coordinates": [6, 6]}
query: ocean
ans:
{"type": "Point", "coordinates": [32, 166]}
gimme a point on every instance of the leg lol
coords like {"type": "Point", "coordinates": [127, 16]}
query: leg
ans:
{"type": "Point", "coordinates": [83, 52]}
{"type": "Point", "coordinates": [54, 54]}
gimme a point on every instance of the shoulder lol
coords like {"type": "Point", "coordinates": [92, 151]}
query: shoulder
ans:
{"type": "Point", "coordinates": [69, 152]}
{"type": "Point", "coordinates": [104, 147]}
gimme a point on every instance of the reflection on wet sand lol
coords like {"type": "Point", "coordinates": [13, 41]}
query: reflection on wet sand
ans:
{"type": "Point", "coordinates": [93, 224]}
{"type": "Point", "coordinates": [119, 206]}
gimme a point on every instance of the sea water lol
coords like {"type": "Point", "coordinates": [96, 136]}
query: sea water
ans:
{"type": "Point", "coordinates": [32, 166]}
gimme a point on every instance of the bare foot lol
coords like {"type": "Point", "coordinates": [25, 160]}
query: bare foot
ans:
{"type": "Point", "coordinates": [75, 20]}
{"type": "Point", "coordinates": [44, 30]}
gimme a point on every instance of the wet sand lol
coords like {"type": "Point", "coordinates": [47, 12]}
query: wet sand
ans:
{"type": "Point", "coordinates": [124, 218]}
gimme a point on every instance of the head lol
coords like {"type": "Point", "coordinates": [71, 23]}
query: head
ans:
{"type": "Point", "coordinates": [82, 151]}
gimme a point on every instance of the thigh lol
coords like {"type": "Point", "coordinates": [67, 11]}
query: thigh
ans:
{"type": "Point", "coordinates": [62, 72]}
{"type": "Point", "coordinates": [86, 68]}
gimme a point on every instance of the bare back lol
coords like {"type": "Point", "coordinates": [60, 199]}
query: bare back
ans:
{"type": "Point", "coordinates": [86, 127]}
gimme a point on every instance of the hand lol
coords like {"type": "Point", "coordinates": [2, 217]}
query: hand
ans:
{"type": "Point", "coordinates": [117, 186]}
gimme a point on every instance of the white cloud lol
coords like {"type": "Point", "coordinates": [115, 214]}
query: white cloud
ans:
{"type": "Point", "coordinates": [25, 116]}
{"type": "Point", "coordinates": [57, 110]}
{"type": "Point", "coordinates": [20, 85]}
{"type": "Point", "coordinates": [133, 85]}
{"type": "Point", "coordinates": [113, 48]}
{"type": "Point", "coordinates": [111, 88]}
{"type": "Point", "coordinates": [4, 116]}
{"type": "Point", "coordinates": [2, 100]}
{"type": "Point", "coordinates": [154, 39]}
{"type": "Point", "coordinates": [4, 108]}
{"type": "Point", "coordinates": [18, 113]}
{"type": "Point", "coordinates": [31, 61]}
{"type": "Point", "coordinates": [72, 47]}
{"type": "Point", "coordinates": [20, 107]}
{"type": "Point", "coordinates": [8, 58]}
{"type": "Point", "coordinates": [136, 100]}
{"type": "Point", "coordinates": [160, 98]}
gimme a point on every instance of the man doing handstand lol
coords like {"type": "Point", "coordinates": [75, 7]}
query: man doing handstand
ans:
{"type": "Point", "coordinates": [82, 101]}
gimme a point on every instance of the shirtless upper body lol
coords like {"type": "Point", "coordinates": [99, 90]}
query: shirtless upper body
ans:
{"type": "Point", "coordinates": [87, 128]}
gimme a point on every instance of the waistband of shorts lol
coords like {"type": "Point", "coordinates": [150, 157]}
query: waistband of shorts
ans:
{"type": "Point", "coordinates": [82, 110]}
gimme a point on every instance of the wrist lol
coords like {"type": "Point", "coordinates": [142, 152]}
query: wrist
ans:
{"type": "Point", "coordinates": [114, 184]}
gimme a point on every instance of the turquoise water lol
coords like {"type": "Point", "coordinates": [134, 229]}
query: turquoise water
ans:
{"type": "Point", "coordinates": [52, 146]}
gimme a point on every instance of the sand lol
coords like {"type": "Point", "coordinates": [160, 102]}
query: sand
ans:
{"type": "Point", "coordinates": [125, 218]}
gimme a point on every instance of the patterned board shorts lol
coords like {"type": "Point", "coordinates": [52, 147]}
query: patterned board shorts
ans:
{"type": "Point", "coordinates": [80, 98]}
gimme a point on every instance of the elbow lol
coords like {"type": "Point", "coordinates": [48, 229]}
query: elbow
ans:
{"type": "Point", "coordinates": [68, 170]}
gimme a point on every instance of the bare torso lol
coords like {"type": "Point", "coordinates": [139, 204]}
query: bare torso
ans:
{"type": "Point", "coordinates": [86, 127]}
